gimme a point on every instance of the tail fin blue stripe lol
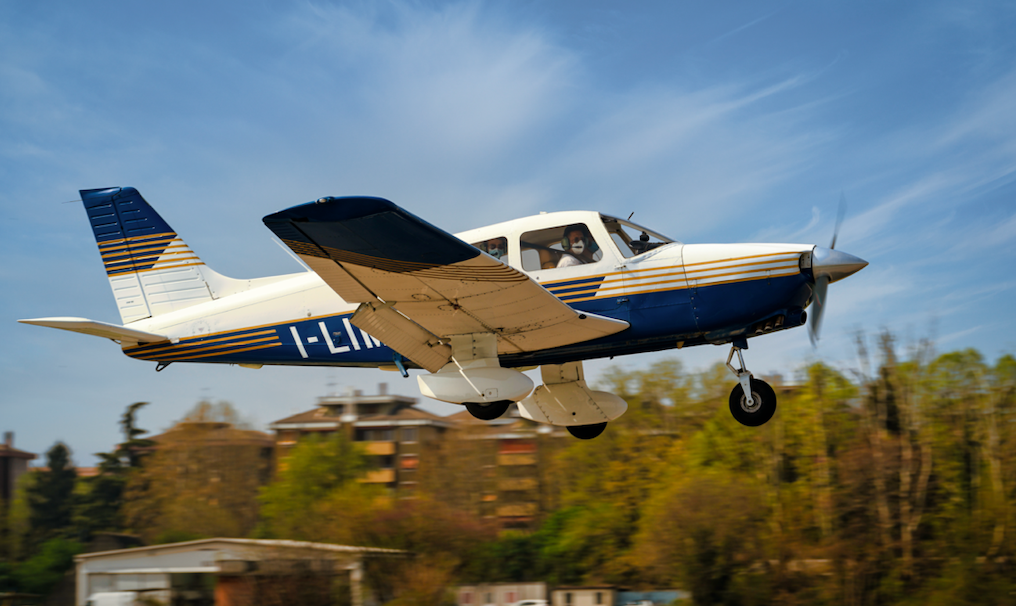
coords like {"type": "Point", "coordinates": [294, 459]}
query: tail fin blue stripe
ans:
{"type": "Point", "coordinates": [132, 237]}
{"type": "Point", "coordinates": [121, 213]}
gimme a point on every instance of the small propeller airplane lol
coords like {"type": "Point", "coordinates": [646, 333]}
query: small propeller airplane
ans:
{"type": "Point", "coordinates": [386, 289]}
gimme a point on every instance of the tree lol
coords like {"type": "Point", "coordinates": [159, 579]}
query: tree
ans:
{"type": "Point", "coordinates": [201, 478]}
{"type": "Point", "coordinates": [317, 474]}
{"type": "Point", "coordinates": [100, 503]}
{"type": "Point", "coordinates": [51, 496]}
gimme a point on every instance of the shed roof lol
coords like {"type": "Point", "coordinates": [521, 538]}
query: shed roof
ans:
{"type": "Point", "coordinates": [264, 544]}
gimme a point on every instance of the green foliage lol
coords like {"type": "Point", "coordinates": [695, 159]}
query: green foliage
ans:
{"type": "Point", "coordinates": [99, 500]}
{"type": "Point", "coordinates": [203, 479]}
{"type": "Point", "coordinates": [176, 536]}
{"type": "Point", "coordinates": [42, 571]}
{"type": "Point", "coordinates": [51, 496]}
{"type": "Point", "coordinates": [319, 474]}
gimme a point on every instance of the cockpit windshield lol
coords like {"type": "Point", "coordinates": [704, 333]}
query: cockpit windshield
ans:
{"type": "Point", "coordinates": [632, 239]}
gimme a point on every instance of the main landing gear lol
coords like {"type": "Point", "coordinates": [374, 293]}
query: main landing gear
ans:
{"type": "Point", "coordinates": [488, 411]}
{"type": "Point", "coordinates": [752, 401]}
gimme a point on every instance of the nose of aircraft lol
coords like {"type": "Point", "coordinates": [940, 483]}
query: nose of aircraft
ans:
{"type": "Point", "coordinates": [835, 264]}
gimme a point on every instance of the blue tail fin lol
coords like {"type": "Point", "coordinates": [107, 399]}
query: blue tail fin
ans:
{"type": "Point", "coordinates": [150, 268]}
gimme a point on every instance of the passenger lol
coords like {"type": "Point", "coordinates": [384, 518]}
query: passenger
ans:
{"type": "Point", "coordinates": [578, 245]}
{"type": "Point", "coordinates": [497, 247]}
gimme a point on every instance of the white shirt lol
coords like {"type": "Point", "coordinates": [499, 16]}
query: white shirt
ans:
{"type": "Point", "coordinates": [569, 260]}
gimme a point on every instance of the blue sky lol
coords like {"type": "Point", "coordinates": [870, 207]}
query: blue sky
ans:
{"type": "Point", "coordinates": [712, 122]}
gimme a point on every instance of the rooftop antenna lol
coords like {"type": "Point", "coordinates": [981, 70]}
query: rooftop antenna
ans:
{"type": "Point", "coordinates": [331, 384]}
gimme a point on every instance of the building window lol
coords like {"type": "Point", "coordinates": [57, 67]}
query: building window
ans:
{"type": "Point", "coordinates": [567, 597]}
{"type": "Point", "coordinates": [409, 461]}
{"type": "Point", "coordinates": [409, 434]}
{"type": "Point", "coordinates": [375, 435]}
{"type": "Point", "coordinates": [509, 597]}
{"type": "Point", "coordinates": [466, 597]}
{"type": "Point", "coordinates": [599, 597]}
{"type": "Point", "coordinates": [489, 600]}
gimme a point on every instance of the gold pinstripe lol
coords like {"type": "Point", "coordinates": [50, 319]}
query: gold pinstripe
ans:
{"type": "Point", "coordinates": [127, 250]}
{"type": "Point", "coordinates": [141, 271]}
{"type": "Point", "coordinates": [550, 283]}
{"type": "Point", "coordinates": [108, 243]}
{"type": "Point", "coordinates": [636, 288]}
{"type": "Point", "coordinates": [158, 250]}
{"type": "Point", "coordinates": [219, 353]}
{"type": "Point", "coordinates": [172, 346]}
{"type": "Point", "coordinates": [682, 287]}
{"type": "Point", "coordinates": [283, 323]}
{"type": "Point", "coordinates": [199, 350]}
{"type": "Point", "coordinates": [149, 258]}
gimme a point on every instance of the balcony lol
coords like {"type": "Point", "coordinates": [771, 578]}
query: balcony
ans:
{"type": "Point", "coordinates": [505, 484]}
{"type": "Point", "coordinates": [516, 459]}
{"type": "Point", "coordinates": [378, 448]}
{"type": "Point", "coordinates": [517, 510]}
{"type": "Point", "coordinates": [379, 476]}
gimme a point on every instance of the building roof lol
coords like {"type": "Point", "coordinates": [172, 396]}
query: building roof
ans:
{"type": "Point", "coordinates": [10, 452]}
{"type": "Point", "coordinates": [200, 544]}
{"type": "Point", "coordinates": [324, 417]}
{"type": "Point", "coordinates": [212, 433]}
{"type": "Point", "coordinates": [406, 413]}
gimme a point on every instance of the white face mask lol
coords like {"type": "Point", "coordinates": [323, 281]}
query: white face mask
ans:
{"type": "Point", "coordinates": [578, 247]}
{"type": "Point", "coordinates": [497, 253]}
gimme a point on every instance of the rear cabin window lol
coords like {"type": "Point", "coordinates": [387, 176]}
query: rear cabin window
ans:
{"type": "Point", "coordinates": [495, 247]}
{"type": "Point", "coordinates": [563, 246]}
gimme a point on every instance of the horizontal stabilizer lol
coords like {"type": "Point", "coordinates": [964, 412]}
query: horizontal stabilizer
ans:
{"type": "Point", "coordinates": [99, 329]}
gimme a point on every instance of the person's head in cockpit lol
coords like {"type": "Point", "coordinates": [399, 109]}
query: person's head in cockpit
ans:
{"type": "Point", "coordinates": [579, 245]}
{"type": "Point", "coordinates": [497, 247]}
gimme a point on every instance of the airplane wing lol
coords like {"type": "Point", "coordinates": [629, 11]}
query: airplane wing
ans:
{"type": "Point", "coordinates": [419, 285]}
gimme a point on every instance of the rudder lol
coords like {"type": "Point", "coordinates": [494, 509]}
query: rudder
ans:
{"type": "Point", "coordinates": [150, 268]}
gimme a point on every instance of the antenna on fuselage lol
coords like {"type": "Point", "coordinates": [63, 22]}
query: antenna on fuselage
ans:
{"type": "Point", "coordinates": [631, 215]}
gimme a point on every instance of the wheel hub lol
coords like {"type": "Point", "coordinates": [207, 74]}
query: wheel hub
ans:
{"type": "Point", "coordinates": [754, 406]}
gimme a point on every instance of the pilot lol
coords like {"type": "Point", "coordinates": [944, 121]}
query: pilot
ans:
{"type": "Point", "coordinates": [497, 247]}
{"type": "Point", "coordinates": [578, 245]}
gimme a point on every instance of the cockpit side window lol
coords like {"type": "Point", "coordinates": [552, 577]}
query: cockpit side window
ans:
{"type": "Point", "coordinates": [495, 247]}
{"type": "Point", "coordinates": [561, 246]}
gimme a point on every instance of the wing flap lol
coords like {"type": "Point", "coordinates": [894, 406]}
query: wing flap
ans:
{"type": "Point", "coordinates": [403, 335]}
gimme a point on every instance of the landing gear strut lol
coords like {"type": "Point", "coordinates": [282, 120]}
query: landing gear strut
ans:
{"type": "Point", "coordinates": [752, 401]}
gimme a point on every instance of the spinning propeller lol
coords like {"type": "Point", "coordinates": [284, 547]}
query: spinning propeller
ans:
{"type": "Point", "coordinates": [829, 265]}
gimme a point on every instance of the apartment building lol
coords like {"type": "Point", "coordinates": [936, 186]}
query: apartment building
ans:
{"type": "Point", "coordinates": [393, 431]}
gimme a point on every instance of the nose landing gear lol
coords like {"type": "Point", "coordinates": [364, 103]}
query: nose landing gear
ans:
{"type": "Point", "coordinates": [752, 401]}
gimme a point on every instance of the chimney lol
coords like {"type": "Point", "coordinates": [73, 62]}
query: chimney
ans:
{"type": "Point", "coordinates": [9, 439]}
{"type": "Point", "coordinates": [382, 389]}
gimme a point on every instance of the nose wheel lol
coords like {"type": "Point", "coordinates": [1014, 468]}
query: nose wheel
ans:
{"type": "Point", "coordinates": [752, 401]}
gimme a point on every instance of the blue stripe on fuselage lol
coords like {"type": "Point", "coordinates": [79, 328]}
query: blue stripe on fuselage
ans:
{"type": "Point", "coordinates": [658, 321]}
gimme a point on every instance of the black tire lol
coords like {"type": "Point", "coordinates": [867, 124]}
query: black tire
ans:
{"type": "Point", "coordinates": [765, 404]}
{"type": "Point", "coordinates": [586, 432]}
{"type": "Point", "coordinates": [488, 411]}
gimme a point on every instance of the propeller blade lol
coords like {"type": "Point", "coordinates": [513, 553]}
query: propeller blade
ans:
{"type": "Point", "coordinates": [815, 318]}
{"type": "Point", "coordinates": [842, 210]}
